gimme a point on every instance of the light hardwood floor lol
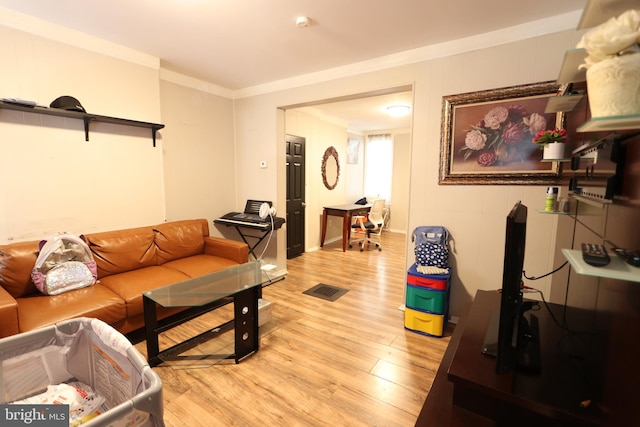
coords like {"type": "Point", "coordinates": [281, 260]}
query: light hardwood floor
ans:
{"type": "Point", "coordinates": [344, 363]}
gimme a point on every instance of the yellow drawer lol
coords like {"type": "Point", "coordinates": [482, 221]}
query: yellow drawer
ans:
{"type": "Point", "coordinates": [424, 323]}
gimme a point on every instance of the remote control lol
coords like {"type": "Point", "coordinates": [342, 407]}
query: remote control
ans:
{"type": "Point", "coordinates": [595, 255]}
{"type": "Point", "coordinates": [630, 257]}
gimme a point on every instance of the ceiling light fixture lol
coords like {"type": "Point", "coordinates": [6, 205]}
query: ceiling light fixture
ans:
{"type": "Point", "coordinates": [398, 110]}
{"type": "Point", "coordinates": [303, 21]}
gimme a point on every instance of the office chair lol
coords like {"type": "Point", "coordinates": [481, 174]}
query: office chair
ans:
{"type": "Point", "coordinates": [370, 227]}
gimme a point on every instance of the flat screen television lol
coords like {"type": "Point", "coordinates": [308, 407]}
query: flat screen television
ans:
{"type": "Point", "coordinates": [511, 338]}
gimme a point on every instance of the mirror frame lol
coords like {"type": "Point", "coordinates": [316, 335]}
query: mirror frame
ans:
{"type": "Point", "coordinates": [330, 153]}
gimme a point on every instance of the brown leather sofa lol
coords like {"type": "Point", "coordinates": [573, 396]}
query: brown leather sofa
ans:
{"type": "Point", "coordinates": [129, 262]}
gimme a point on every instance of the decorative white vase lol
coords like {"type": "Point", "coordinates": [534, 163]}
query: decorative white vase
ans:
{"type": "Point", "coordinates": [553, 151]}
{"type": "Point", "coordinates": [613, 86]}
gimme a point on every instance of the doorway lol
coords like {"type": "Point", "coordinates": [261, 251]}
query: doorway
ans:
{"type": "Point", "coordinates": [319, 122]}
{"type": "Point", "coordinates": [295, 195]}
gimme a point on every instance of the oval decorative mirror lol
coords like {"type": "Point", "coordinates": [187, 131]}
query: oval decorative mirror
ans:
{"type": "Point", "coordinates": [330, 168]}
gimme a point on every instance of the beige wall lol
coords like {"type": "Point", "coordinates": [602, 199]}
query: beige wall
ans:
{"type": "Point", "coordinates": [199, 155]}
{"type": "Point", "coordinates": [127, 175]}
{"type": "Point", "coordinates": [51, 180]}
{"type": "Point", "coordinates": [320, 135]}
{"type": "Point", "coordinates": [475, 215]}
{"type": "Point", "coordinates": [399, 206]}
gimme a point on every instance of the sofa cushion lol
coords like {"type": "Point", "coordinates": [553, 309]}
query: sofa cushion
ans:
{"type": "Point", "coordinates": [16, 262]}
{"type": "Point", "coordinates": [130, 285]}
{"type": "Point", "coordinates": [123, 250]}
{"type": "Point", "coordinates": [179, 239]}
{"type": "Point", "coordinates": [199, 265]}
{"type": "Point", "coordinates": [8, 314]}
{"type": "Point", "coordinates": [96, 301]}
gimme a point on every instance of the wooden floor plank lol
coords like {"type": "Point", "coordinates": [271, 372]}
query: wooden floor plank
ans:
{"type": "Point", "coordinates": [347, 362]}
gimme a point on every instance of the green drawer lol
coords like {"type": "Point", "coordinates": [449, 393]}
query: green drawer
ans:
{"type": "Point", "coordinates": [424, 299]}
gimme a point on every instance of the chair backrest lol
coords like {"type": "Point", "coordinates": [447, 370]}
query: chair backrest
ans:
{"type": "Point", "coordinates": [376, 213]}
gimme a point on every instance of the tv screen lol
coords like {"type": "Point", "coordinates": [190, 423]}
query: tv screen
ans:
{"type": "Point", "coordinates": [510, 337]}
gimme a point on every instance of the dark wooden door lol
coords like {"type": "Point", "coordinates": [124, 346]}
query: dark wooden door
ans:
{"type": "Point", "coordinates": [295, 196]}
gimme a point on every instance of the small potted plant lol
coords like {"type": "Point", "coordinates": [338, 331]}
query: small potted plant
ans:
{"type": "Point", "coordinates": [552, 142]}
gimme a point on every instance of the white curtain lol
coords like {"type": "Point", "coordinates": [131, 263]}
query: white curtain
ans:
{"type": "Point", "coordinates": [378, 166]}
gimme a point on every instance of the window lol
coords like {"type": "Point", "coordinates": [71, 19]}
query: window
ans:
{"type": "Point", "coordinates": [378, 166]}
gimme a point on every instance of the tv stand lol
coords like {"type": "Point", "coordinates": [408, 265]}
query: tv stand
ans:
{"type": "Point", "coordinates": [529, 351]}
{"type": "Point", "coordinates": [467, 390]}
{"type": "Point", "coordinates": [528, 361]}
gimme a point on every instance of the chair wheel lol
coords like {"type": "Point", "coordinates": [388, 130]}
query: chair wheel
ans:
{"type": "Point", "coordinates": [350, 245]}
{"type": "Point", "coordinates": [361, 249]}
{"type": "Point", "coordinates": [380, 249]}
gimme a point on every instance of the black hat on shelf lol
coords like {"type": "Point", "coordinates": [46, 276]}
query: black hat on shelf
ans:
{"type": "Point", "coordinates": [67, 103]}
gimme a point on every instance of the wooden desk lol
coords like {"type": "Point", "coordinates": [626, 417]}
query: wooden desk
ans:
{"type": "Point", "coordinates": [467, 391]}
{"type": "Point", "coordinates": [346, 212]}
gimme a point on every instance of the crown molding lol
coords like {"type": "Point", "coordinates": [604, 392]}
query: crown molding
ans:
{"type": "Point", "coordinates": [541, 27]}
{"type": "Point", "coordinates": [554, 24]}
{"type": "Point", "coordinates": [58, 33]}
{"type": "Point", "coordinates": [193, 83]}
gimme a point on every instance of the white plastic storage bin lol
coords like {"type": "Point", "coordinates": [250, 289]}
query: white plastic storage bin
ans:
{"type": "Point", "coordinates": [91, 357]}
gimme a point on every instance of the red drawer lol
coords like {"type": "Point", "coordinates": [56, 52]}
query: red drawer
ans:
{"type": "Point", "coordinates": [433, 281]}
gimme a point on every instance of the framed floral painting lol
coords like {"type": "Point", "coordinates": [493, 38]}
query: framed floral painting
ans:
{"type": "Point", "coordinates": [487, 136]}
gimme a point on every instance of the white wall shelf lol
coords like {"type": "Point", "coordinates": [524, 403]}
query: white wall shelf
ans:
{"type": "Point", "coordinates": [563, 103]}
{"type": "Point", "coordinates": [555, 212]}
{"type": "Point", "coordinates": [598, 203]}
{"type": "Point", "coordinates": [616, 269]}
{"type": "Point", "coordinates": [612, 123]}
{"type": "Point", "coordinates": [570, 71]}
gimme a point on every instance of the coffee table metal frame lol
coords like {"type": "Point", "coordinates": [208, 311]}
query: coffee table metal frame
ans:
{"type": "Point", "coordinates": [241, 284]}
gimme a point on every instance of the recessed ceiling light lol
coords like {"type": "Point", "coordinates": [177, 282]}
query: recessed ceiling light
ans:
{"type": "Point", "coordinates": [398, 110]}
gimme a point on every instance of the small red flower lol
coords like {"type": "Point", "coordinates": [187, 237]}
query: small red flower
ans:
{"type": "Point", "coordinates": [487, 158]}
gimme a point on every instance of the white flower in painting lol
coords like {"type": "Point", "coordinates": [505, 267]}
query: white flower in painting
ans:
{"type": "Point", "coordinates": [475, 140]}
{"type": "Point", "coordinates": [495, 117]}
{"type": "Point", "coordinates": [536, 123]}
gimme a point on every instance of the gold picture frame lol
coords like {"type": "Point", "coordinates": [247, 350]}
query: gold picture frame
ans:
{"type": "Point", "coordinates": [486, 136]}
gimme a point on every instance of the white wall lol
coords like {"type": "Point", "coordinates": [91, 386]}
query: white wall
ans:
{"type": "Point", "coordinates": [475, 215]}
{"type": "Point", "coordinates": [399, 205]}
{"type": "Point", "coordinates": [51, 180]}
{"type": "Point", "coordinates": [127, 174]}
{"type": "Point", "coordinates": [199, 155]}
{"type": "Point", "coordinates": [320, 135]}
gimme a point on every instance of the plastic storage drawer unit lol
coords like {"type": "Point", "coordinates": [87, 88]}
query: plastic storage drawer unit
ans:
{"type": "Point", "coordinates": [424, 323]}
{"type": "Point", "coordinates": [434, 281]}
{"type": "Point", "coordinates": [425, 299]}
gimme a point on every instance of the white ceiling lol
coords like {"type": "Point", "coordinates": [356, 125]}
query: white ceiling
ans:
{"type": "Point", "coordinates": [239, 44]}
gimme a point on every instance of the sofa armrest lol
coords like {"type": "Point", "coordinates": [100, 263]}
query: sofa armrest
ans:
{"type": "Point", "coordinates": [226, 248]}
{"type": "Point", "coordinates": [8, 314]}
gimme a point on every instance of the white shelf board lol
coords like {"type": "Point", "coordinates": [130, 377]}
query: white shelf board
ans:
{"type": "Point", "coordinates": [557, 104]}
{"type": "Point", "coordinates": [597, 124]}
{"type": "Point", "coordinates": [563, 160]}
{"type": "Point", "coordinates": [569, 71]}
{"type": "Point", "coordinates": [554, 212]}
{"type": "Point", "coordinates": [616, 269]}
{"type": "Point", "coordinates": [598, 203]}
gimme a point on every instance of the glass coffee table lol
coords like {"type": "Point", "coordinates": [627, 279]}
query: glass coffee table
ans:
{"type": "Point", "coordinates": [241, 284]}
